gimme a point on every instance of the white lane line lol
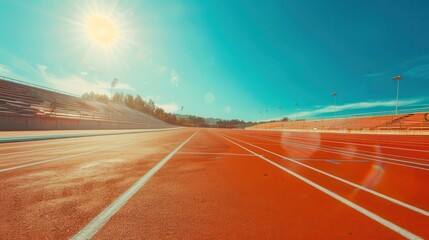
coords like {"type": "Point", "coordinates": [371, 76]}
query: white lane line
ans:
{"type": "Point", "coordinates": [388, 160]}
{"type": "Point", "coordinates": [358, 208]}
{"type": "Point", "coordinates": [393, 200]}
{"type": "Point", "coordinates": [353, 154]}
{"type": "Point", "coordinates": [65, 157]}
{"type": "Point", "coordinates": [358, 141]}
{"type": "Point", "coordinates": [366, 145]}
{"type": "Point", "coordinates": [4, 156]}
{"type": "Point", "coordinates": [25, 144]}
{"type": "Point", "coordinates": [223, 154]}
{"type": "Point", "coordinates": [22, 161]}
{"type": "Point", "coordinates": [335, 160]}
{"type": "Point", "coordinates": [99, 221]}
{"type": "Point", "coordinates": [62, 136]}
{"type": "Point", "coordinates": [39, 143]}
{"type": "Point", "coordinates": [360, 151]}
{"type": "Point", "coordinates": [412, 143]}
{"type": "Point", "coordinates": [370, 140]}
{"type": "Point", "coordinates": [60, 158]}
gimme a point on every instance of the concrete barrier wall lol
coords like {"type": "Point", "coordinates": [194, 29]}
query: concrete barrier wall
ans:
{"type": "Point", "coordinates": [13, 123]}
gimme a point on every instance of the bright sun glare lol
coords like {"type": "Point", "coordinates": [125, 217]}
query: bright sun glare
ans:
{"type": "Point", "coordinates": [101, 30]}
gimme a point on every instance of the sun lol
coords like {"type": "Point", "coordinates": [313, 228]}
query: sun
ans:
{"type": "Point", "coordinates": [101, 33]}
{"type": "Point", "coordinates": [101, 30]}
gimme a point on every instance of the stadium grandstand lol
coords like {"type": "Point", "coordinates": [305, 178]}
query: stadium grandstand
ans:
{"type": "Point", "coordinates": [31, 107]}
{"type": "Point", "coordinates": [406, 121]}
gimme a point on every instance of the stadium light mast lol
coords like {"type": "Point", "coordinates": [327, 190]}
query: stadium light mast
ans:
{"type": "Point", "coordinates": [335, 102]}
{"type": "Point", "coordinates": [112, 85]}
{"type": "Point", "coordinates": [397, 79]}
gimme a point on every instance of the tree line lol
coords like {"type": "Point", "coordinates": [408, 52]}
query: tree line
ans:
{"type": "Point", "coordinates": [149, 107]}
{"type": "Point", "coordinates": [201, 122]}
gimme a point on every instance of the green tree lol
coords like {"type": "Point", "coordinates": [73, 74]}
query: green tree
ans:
{"type": "Point", "coordinates": [129, 100]}
{"type": "Point", "coordinates": [118, 97]}
{"type": "Point", "coordinates": [151, 106]}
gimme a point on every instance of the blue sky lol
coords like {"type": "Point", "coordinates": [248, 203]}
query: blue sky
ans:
{"type": "Point", "coordinates": [227, 59]}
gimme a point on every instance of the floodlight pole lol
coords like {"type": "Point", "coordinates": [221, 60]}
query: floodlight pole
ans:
{"type": "Point", "coordinates": [397, 79]}
{"type": "Point", "coordinates": [335, 103]}
{"type": "Point", "coordinates": [397, 97]}
{"type": "Point", "coordinates": [112, 85]}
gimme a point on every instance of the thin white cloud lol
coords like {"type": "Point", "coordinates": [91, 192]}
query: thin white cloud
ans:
{"type": "Point", "coordinates": [415, 61]}
{"type": "Point", "coordinates": [5, 70]}
{"type": "Point", "coordinates": [421, 71]}
{"type": "Point", "coordinates": [174, 78]}
{"type": "Point", "coordinates": [169, 107]}
{"type": "Point", "coordinates": [10, 72]}
{"type": "Point", "coordinates": [378, 74]}
{"type": "Point", "coordinates": [359, 105]}
{"type": "Point", "coordinates": [18, 68]}
{"type": "Point", "coordinates": [76, 84]}
{"type": "Point", "coordinates": [417, 67]}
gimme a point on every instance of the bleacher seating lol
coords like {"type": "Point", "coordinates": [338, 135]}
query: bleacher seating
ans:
{"type": "Point", "coordinates": [412, 121]}
{"type": "Point", "coordinates": [22, 100]}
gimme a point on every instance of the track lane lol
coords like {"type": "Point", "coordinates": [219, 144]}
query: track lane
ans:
{"type": "Point", "coordinates": [18, 158]}
{"type": "Point", "coordinates": [231, 196]}
{"type": "Point", "coordinates": [101, 219]}
{"type": "Point", "coordinates": [419, 153]}
{"type": "Point", "coordinates": [21, 160]}
{"type": "Point", "coordinates": [346, 150]}
{"type": "Point", "coordinates": [55, 200]}
{"type": "Point", "coordinates": [13, 147]}
{"type": "Point", "coordinates": [350, 151]}
{"type": "Point", "coordinates": [337, 196]}
{"type": "Point", "coordinates": [209, 189]}
{"type": "Point", "coordinates": [379, 206]}
{"type": "Point", "coordinates": [366, 138]}
{"type": "Point", "coordinates": [373, 174]}
{"type": "Point", "coordinates": [384, 144]}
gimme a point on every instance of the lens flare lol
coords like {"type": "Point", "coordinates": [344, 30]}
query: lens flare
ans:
{"type": "Point", "coordinates": [375, 174]}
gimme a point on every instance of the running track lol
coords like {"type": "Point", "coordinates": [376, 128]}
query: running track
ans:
{"type": "Point", "coordinates": [216, 184]}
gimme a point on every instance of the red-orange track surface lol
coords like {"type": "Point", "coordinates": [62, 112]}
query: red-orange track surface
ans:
{"type": "Point", "coordinates": [216, 184]}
